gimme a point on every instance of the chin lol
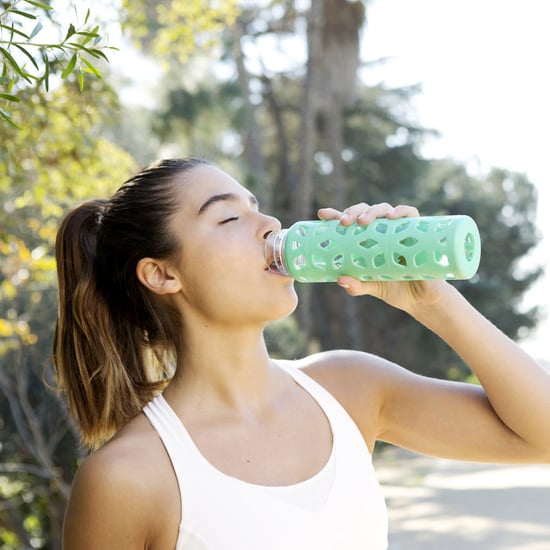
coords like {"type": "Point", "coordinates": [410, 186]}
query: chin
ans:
{"type": "Point", "coordinates": [285, 307]}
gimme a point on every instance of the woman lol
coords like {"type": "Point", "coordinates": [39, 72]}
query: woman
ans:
{"type": "Point", "coordinates": [164, 287]}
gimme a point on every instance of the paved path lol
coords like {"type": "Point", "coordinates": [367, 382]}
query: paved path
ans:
{"type": "Point", "coordinates": [446, 505]}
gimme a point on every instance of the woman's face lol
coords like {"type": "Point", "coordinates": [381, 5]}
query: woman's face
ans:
{"type": "Point", "coordinates": [222, 267]}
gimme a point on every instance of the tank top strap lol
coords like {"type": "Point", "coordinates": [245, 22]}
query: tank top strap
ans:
{"type": "Point", "coordinates": [175, 438]}
{"type": "Point", "coordinates": [343, 426]}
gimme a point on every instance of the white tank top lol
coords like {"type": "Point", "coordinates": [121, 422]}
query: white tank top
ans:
{"type": "Point", "coordinates": [339, 508]}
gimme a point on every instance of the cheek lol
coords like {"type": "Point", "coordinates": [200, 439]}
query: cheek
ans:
{"type": "Point", "coordinates": [213, 280]}
{"type": "Point", "coordinates": [225, 281]}
{"type": "Point", "coordinates": [233, 295]}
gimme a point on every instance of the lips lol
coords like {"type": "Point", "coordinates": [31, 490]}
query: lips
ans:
{"type": "Point", "coordinates": [270, 261]}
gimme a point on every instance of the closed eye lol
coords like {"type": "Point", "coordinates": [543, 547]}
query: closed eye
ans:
{"type": "Point", "coordinates": [232, 219]}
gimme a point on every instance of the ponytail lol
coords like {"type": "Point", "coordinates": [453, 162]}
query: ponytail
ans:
{"type": "Point", "coordinates": [101, 362]}
{"type": "Point", "coordinates": [116, 343]}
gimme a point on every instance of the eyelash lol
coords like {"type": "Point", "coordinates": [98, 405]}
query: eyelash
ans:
{"type": "Point", "coordinates": [233, 218]}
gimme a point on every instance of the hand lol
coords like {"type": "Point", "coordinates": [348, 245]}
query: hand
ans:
{"type": "Point", "coordinates": [404, 295]}
{"type": "Point", "coordinates": [364, 214]}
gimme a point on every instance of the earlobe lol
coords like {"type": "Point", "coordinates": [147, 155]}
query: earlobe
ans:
{"type": "Point", "coordinates": [157, 277]}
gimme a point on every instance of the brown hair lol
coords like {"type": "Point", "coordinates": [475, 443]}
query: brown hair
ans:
{"type": "Point", "coordinates": [114, 345]}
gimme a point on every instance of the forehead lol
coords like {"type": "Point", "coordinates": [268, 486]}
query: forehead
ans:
{"type": "Point", "coordinates": [205, 181]}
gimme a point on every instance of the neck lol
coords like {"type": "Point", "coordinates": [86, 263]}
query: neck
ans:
{"type": "Point", "coordinates": [223, 366]}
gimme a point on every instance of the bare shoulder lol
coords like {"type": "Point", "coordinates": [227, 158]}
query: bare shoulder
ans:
{"type": "Point", "coordinates": [120, 492]}
{"type": "Point", "coordinates": [358, 380]}
{"type": "Point", "coordinates": [346, 370]}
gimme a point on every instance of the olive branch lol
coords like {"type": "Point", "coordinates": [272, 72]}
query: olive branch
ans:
{"type": "Point", "coordinates": [27, 61]}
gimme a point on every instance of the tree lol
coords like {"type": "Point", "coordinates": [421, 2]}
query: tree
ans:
{"type": "Point", "coordinates": [273, 129]}
{"type": "Point", "coordinates": [56, 159]}
{"type": "Point", "coordinates": [348, 143]}
{"type": "Point", "coordinates": [26, 61]}
{"type": "Point", "coordinates": [176, 29]}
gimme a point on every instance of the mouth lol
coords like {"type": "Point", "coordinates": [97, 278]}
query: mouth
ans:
{"type": "Point", "coordinates": [270, 262]}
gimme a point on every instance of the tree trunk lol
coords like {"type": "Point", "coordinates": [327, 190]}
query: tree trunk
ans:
{"type": "Point", "coordinates": [302, 202]}
{"type": "Point", "coordinates": [340, 41]}
{"type": "Point", "coordinates": [303, 191]}
{"type": "Point", "coordinates": [250, 132]}
{"type": "Point", "coordinates": [282, 198]}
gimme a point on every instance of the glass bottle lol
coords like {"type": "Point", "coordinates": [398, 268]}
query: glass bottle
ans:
{"type": "Point", "coordinates": [426, 247]}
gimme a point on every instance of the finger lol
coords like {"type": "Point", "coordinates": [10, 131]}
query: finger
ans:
{"type": "Point", "coordinates": [352, 213]}
{"type": "Point", "coordinates": [329, 214]}
{"type": "Point", "coordinates": [381, 210]}
{"type": "Point", "coordinates": [404, 211]}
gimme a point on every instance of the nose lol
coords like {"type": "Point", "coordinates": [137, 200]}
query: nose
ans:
{"type": "Point", "coordinates": [269, 225]}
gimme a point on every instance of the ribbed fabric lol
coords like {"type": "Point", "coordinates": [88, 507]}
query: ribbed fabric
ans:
{"type": "Point", "coordinates": [339, 508]}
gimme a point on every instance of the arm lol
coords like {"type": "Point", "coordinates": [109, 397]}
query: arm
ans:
{"type": "Point", "coordinates": [507, 419]}
{"type": "Point", "coordinates": [517, 388]}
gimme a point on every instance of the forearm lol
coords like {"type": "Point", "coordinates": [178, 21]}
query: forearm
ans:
{"type": "Point", "coordinates": [517, 387]}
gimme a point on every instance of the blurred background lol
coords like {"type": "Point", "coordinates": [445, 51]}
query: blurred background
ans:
{"type": "Point", "coordinates": [438, 104]}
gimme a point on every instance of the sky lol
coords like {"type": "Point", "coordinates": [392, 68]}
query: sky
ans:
{"type": "Point", "coordinates": [483, 66]}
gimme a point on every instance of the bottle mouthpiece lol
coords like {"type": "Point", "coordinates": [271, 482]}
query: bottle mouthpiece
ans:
{"type": "Point", "coordinates": [274, 251]}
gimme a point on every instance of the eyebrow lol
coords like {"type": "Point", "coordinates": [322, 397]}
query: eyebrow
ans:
{"type": "Point", "coordinates": [225, 197]}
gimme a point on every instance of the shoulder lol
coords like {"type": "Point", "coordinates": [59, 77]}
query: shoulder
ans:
{"type": "Point", "coordinates": [119, 490]}
{"type": "Point", "coordinates": [343, 370]}
{"type": "Point", "coordinates": [358, 380]}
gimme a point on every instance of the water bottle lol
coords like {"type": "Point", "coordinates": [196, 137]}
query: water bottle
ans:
{"type": "Point", "coordinates": [427, 247]}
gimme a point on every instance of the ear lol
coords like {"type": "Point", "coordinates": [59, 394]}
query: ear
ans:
{"type": "Point", "coordinates": [157, 276]}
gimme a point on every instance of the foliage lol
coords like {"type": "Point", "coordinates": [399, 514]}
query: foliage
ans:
{"type": "Point", "coordinates": [380, 163]}
{"type": "Point", "coordinates": [249, 121]}
{"type": "Point", "coordinates": [59, 157]}
{"type": "Point", "coordinates": [174, 30]}
{"type": "Point", "coordinates": [26, 61]}
{"type": "Point", "coordinates": [285, 340]}
{"type": "Point", "coordinates": [503, 204]}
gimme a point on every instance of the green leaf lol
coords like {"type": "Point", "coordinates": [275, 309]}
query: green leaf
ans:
{"type": "Point", "coordinates": [22, 13]}
{"type": "Point", "coordinates": [90, 68]}
{"type": "Point", "coordinates": [88, 36]}
{"type": "Point", "coordinates": [26, 52]}
{"type": "Point", "coordinates": [13, 30]}
{"type": "Point", "coordinates": [70, 31]}
{"type": "Point", "coordinates": [6, 116]}
{"type": "Point", "coordinates": [87, 16]}
{"type": "Point", "coordinates": [95, 52]}
{"type": "Point", "coordinates": [15, 65]}
{"type": "Point", "coordinates": [46, 71]}
{"type": "Point", "coordinates": [70, 67]}
{"type": "Point", "coordinates": [91, 51]}
{"type": "Point", "coordinates": [36, 30]}
{"type": "Point", "coordinates": [38, 4]}
{"type": "Point", "coordinates": [10, 97]}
